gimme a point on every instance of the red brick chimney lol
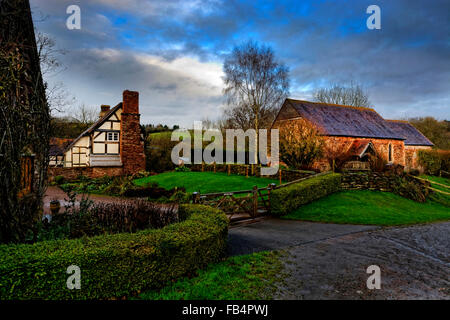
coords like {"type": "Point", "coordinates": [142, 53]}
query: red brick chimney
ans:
{"type": "Point", "coordinates": [104, 109]}
{"type": "Point", "coordinates": [131, 143]}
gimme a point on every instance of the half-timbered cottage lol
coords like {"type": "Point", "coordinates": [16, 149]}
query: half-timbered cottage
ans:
{"type": "Point", "coordinates": [357, 131]}
{"type": "Point", "coordinates": [113, 141]}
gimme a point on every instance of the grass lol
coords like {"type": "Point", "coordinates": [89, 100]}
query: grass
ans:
{"type": "Point", "coordinates": [252, 276]}
{"type": "Point", "coordinates": [205, 182]}
{"type": "Point", "coordinates": [372, 208]}
{"type": "Point", "coordinates": [440, 180]}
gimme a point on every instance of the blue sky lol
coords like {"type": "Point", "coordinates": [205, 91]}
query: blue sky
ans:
{"type": "Point", "coordinates": [172, 51]}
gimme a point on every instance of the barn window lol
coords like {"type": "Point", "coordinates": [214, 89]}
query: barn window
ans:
{"type": "Point", "coordinates": [113, 136]}
{"type": "Point", "coordinates": [390, 152]}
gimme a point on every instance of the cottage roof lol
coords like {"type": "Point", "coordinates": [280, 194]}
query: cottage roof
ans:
{"type": "Point", "coordinates": [95, 125]}
{"type": "Point", "coordinates": [349, 121]}
{"type": "Point", "coordinates": [413, 137]}
{"type": "Point", "coordinates": [58, 145]}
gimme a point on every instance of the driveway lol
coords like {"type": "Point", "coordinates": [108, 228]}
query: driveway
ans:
{"type": "Point", "coordinates": [272, 234]}
{"type": "Point", "coordinates": [328, 261]}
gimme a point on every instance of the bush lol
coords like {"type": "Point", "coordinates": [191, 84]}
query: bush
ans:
{"type": "Point", "coordinates": [182, 169]}
{"type": "Point", "coordinates": [284, 200]}
{"type": "Point", "coordinates": [101, 218]}
{"type": "Point", "coordinates": [59, 180]}
{"type": "Point", "coordinates": [430, 161]}
{"type": "Point", "coordinates": [115, 265]}
{"type": "Point", "coordinates": [150, 191]}
{"type": "Point", "coordinates": [410, 189]}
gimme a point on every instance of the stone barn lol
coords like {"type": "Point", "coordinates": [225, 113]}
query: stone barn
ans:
{"type": "Point", "coordinates": [355, 132]}
{"type": "Point", "coordinates": [112, 146]}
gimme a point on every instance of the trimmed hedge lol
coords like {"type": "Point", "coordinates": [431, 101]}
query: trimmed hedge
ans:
{"type": "Point", "coordinates": [284, 200]}
{"type": "Point", "coordinates": [115, 265]}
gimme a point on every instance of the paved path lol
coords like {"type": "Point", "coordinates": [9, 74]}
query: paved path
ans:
{"type": "Point", "coordinates": [271, 234]}
{"type": "Point", "coordinates": [327, 261]}
{"type": "Point", "coordinates": [56, 193]}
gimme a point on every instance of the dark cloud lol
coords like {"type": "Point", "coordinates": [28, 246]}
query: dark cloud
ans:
{"type": "Point", "coordinates": [172, 50]}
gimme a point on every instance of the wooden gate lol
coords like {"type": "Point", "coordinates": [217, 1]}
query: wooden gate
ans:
{"type": "Point", "coordinates": [238, 205]}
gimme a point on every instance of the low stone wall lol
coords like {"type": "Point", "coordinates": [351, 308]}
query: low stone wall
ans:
{"type": "Point", "coordinates": [375, 181]}
{"type": "Point", "coordinates": [91, 172]}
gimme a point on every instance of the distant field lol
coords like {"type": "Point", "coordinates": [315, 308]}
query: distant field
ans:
{"type": "Point", "coordinates": [205, 182]}
{"type": "Point", "coordinates": [370, 207]}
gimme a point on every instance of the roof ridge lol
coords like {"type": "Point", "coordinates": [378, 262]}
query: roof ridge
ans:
{"type": "Point", "coordinates": [94, 125]}
{"type": "Point", "coordinates": [335, 105]}
{"type": "Point", "coordinates": [394, 120]}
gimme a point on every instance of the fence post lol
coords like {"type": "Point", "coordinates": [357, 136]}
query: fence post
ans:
{"type": "Point", "coordinates": [246, 171]}
{"type": "Point", "coordinates": [194, 197]}
{"type": "Point", "coordinates": [229, 169]}
{"type": "Point", "coordinates": [279, 174]}
{"type": "Point", "coordinates": [269, 191]}
{"type": "Point", "coordinates": [214, 167]}
{"type": "Point", "coordinates": [255, 200]}
{"type": "Point", "coordinates": [203, 166]}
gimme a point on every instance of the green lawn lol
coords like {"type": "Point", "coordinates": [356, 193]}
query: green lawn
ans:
{"type": "Point", "coordinates": [370, 207]}
{"type": "Point", "coordinates": [205, 182]}
{"type": "Point", "coordinates": [241, 277]}
{"type": "Point", "coordinates": [440, 180]}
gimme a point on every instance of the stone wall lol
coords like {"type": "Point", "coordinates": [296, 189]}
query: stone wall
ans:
{"type": "Point", "coordinates": [380, 181]}
{"type": "Point", "coordinates": [91, 172]}
{"type": "Point", "coordinates": [412, 159]}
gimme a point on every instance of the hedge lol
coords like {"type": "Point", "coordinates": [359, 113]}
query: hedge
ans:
{"type": "Point", "coordinates": [115, 265]}
{"type": "Point", "coordinates": [286, 199]}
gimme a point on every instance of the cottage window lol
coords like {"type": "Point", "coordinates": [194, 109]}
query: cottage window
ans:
{"type": "Point", "coordinates": [113, 136]}
{"type": "Point", "coordinates": [390, 153]}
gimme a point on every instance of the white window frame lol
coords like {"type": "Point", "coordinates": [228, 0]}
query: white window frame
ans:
{"type": "Point", "coordinates": [112, 136]}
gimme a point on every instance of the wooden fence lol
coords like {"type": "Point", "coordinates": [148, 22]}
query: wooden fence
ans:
{"type": "Point", "coordinates": [244, 204]}
{"type": "Point", "coordinates": [436, 183]}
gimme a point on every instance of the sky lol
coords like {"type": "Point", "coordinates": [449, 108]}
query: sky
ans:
{"type": "Point", "coordinates": [172, 52]}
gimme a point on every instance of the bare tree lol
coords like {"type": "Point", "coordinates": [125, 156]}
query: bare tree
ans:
{"type": "Point", "coordinates": [255, 85]}
{"type": "Point", "coordinates": [85, 115]}
{"type": "Point", "coordinates": [57, 96]}
{"type": "Point", "coordinates": [351, 95]}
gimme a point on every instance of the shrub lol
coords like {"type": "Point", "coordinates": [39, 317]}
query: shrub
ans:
{"type": "Point", "coordinates": [377, 162]}
{"type": "Point", "coordinates": [287, 199]}
{"type": "Point", "coordinates": [59, 180]}
{"type": "Point", "coordinates": [115, 265]}
{"type": "Point", "coordinates": [150, 191]}
{"type": "Point", "coordinates": [410, 189]}
{"type": "Point", "coordinates": [182, 169]}
{"type": "Point", "coordinates": [430, 161]}
{"type": "Point", "coordinates": [114, 217]}
{"type": "Point", "coordinates": [301, 143]}
{"type": "Point", "coordinates": [445, 160]}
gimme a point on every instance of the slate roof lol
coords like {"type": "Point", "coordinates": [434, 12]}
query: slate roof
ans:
{"type": "Point", "coordinates": [413, 137]}
{"type": "Point", "coordinates": [359, 147]}
{"type": "Point", "coordinates": [95, 125]}
{"type": "Point", "coordinates": [58, 145]}
{"type": "Point", "coordinates": [348, 121]}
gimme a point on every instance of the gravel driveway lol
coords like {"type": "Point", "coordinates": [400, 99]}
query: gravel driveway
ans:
{"type": "Point", "coordinates": [328, 261]}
